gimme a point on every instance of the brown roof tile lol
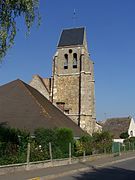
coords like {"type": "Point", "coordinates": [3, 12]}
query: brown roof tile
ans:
{"type": "Point", "coordinates": [116, 126]}
{"type": "Point", "coordinates": [22, 106]}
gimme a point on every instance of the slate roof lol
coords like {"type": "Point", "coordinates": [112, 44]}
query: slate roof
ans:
{"type": "Point", "coordinates": [22, 106]}
{"type": "Point", "coordinates": [70, 37]}
{"type": "Point", "coordinates": [116, 126]}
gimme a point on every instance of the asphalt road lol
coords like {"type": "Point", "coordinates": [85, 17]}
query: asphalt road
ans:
{"type": "Point", "coordinates": [121, 171]}
{"type": "Point", "coordinates": [125, 169]}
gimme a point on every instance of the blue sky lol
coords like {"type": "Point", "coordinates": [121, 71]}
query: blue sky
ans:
{"type": "Point", "coordinates": [110, 26]}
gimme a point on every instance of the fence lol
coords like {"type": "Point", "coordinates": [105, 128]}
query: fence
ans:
{"type": "Point", "coordinates": [122, 147]}
{"type": "Point", "coordinates": [33, 153]}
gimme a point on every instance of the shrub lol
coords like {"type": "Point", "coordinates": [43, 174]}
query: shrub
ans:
{"type": "Point", "coordinates": [59, 138]}
{"type": "Point", "coordinates": [13, 145]}
{"type": "Point", "coordinates": [102, 141]}
{"type": "Point", "coordinates": [64, 137]}
{"type": "Point", "coordinates": [124, 135]}
{"type": "Point", "coordinates": [86, 144]}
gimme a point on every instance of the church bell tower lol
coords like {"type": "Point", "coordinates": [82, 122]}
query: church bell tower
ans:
{"type": "Point", "coordinates": [72, 88]}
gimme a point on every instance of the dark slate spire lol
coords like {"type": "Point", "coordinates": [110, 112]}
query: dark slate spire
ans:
{"type": "Point", "coordinates": [70, 37]}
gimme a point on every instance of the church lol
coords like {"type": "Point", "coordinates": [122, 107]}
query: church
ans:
{"type": "Point", "coordinates": [71, 88]}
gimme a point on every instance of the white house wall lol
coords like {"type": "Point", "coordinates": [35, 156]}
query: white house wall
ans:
{"type": "Point", "coordinates": [131, 128]}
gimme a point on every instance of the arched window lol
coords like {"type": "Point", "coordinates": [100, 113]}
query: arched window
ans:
{"type": "Point", "coordinates": [74, 60]}
{"type": "Point", "coordinates": [66, 61]}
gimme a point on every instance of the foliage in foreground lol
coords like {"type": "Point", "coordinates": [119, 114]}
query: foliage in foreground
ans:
{"type": "Point", "coordinates": [97, 143]}
{"type": "Point", "coordinates": [10, 10]}
{"type": "Point", "coordinates": [59, 138]}
{"type": "Point", "coordinates": [102, 141]}
{"type": "Point", "coordinates": [13, 144]}
{"type": "Point", "coordinates": [124, 135]}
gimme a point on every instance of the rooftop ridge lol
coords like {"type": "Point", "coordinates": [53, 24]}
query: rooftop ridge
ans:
{"type": "Point", "coordinates": [80, 27]}
{"type": "Point", "coordinates": [124, 117]}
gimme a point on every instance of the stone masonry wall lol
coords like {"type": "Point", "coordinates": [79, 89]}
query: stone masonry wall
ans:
{"type": "Point", "coordinates": [37, 84]}
{"type": "Point", "coordinates": [68, 92]}
{"type": "Point", "coordinates": [88, 124]}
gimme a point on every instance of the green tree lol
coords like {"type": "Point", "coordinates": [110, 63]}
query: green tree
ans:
{"type": "Point", "coordinates": [10, 10]}
{"type": "Point", "coordinates": [124, 135]}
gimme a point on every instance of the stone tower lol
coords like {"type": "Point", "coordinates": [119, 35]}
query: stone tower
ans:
{"type": "Point", "coordinates": [72, 83]}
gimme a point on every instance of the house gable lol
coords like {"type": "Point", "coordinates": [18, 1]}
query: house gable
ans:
{"type": "Point", "coordinates": [131, 130]}
{"type": "Point", "coordinates": [40, 84]}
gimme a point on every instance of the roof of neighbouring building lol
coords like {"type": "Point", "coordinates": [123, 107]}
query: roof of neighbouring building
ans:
{"type": "Point", "coordinates": [70, 37]}
{"type": "Point", "coordinates": [116, 126]}
{"type": "Point", "coordinates": [22, 106]}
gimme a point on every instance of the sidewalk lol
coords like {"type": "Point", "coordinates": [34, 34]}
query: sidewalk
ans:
{"type": "Point", "coordinates": [53, 172]}
{"type": "Point", "coordinates": [88, 165]}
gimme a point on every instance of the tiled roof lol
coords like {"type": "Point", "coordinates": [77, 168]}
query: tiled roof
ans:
{"type": "Point", "coordinates": [71, 37]}
{"type": "Point", "coordinates": [116, 126]}
{"type": "Point", "coordinates": [22, 106]}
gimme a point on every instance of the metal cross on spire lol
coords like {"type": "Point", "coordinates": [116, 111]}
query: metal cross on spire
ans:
{"type": "Point", "coordinates": [74, 18]}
